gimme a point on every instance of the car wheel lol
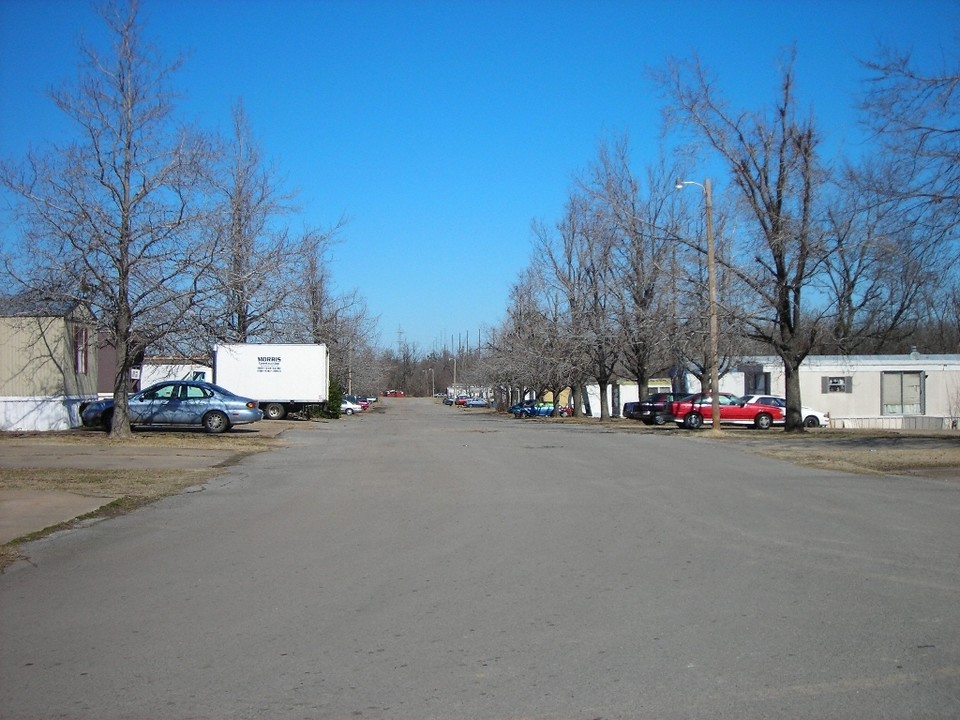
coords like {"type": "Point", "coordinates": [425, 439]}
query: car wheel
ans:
{"type": "Point", "coordinates": [811, 421]}
{"type": "Point", "coordinates": [763, 421]}
{"type": "Point", "coordinates": [348, 411]}
{"type": "Point", "coordinates": [659, 419]}
{"type": "Point", "coordinates": [693, 421]}
{"type": "Point", "coordinates": [274, 411]}
{"type": "Point", "coordinates": [518, 415]}
{"type": "Point", "coordinates": [107, 421]}
{"type": "Point", "coordinates": [215, 422]}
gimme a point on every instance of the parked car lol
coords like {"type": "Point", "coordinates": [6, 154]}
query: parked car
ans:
{"type": "Point", "coordinates": [461, 400]}
{"type": "Point", "coordinates": [349, 408]}
{"type": "Point", "coordinates": [179, 402]}
{"type": "Point", "coordinates": [811, 418]}
{"type": "Point", "coordinates": [517, 409]}
{"type": "Point", "coordinates": [652, 410]}
{"type": "Point", "coordinates": [696, 410]}
{"type": "Point", "coordinates": [448, 400]}
{"type": "Point", "coordinates": [543, 409]}
{"type": "Point", "coordinates": [476, 403]}
{"type": "Point", "coordinates": [358, 400]}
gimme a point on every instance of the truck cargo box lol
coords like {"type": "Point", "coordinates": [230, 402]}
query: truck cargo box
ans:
{"type": "Point", "coordinates": [284, 378]}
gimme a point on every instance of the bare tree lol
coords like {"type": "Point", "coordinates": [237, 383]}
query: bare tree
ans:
{"type": "Point", "coordinates": [533, 349]}
{"type": "Point", "coordinates": [879, 268]}
{"type": "Point", "coordinates": [640, 220]}
{"type": "Point", "coordinates": [111, 218]}
{"type": "Point", "coordinates": [773, 162]}
{"type": "Point", "coordinates": [579, 261]}
{"type": "Point", "coordinates": [915, 115]}
{"type": "Point", "coordinates": [908, 197]}
{"type": "Point", "coordinates": [251, 280]}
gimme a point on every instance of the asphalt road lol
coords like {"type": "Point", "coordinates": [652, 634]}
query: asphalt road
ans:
{"type": "Point", "coordinates": [430, 562]}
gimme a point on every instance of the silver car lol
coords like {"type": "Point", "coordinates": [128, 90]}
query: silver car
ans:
{"type": "Point", "coordinates": [811, 418]}
{"type": "Point", "coordinates": [179, 402]}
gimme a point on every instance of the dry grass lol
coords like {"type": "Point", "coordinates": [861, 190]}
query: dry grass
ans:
{"type": "Point", "coordinates": [147, 484]}
{"type": "Point", "coordinates": [870, 451]}
{"type": "Point", "coordinates": [239, 438]}
{"type": "Point", "coordinates": [902, 461]}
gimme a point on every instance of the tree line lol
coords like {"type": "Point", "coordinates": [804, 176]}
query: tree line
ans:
{"type": "Point", "coordinates": [814, 253]}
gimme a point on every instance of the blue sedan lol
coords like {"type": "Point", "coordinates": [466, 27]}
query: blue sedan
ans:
{"type": "Point", "coordinates": [179, 402]}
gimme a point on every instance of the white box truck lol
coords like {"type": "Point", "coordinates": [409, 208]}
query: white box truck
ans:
{"type": "Point", "coordinates": [283, 378]}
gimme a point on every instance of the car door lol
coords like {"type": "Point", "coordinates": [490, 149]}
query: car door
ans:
{"type": "Point", "coordinates": [731, 409]}
{"type": "Point", "coordinates": [153, 405]}
{"type": "Point", "coordinates": [194, 401]}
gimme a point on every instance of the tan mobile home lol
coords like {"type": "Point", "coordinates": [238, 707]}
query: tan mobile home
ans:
{"type": "Point", "coordinates": [48, 365]}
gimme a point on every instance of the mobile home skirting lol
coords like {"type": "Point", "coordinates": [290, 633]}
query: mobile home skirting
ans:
{"type": "Point", "coordinates": [40, 414]}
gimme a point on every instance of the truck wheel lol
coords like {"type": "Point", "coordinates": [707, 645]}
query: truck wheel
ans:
{"type": "Point", "coordinates": [216, 422]}
{"type": "Point", "coordinates": [693, 421]}
{"type": "Point", "coordinates": [274, 411]}
{"type": "Point", "coordinates": [763, 421]}
{"type": "Point", "coordinates": [659, 419]}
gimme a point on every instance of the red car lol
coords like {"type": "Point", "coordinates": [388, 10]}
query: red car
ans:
{"type": "Point", "coordinates": [696, 410]}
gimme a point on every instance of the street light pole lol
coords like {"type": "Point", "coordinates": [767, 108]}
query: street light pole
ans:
{"type": "Point", "coordinates": [712, 291]}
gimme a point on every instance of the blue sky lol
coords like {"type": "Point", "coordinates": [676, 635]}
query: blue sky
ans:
{"type": "Point", "coordinates": [442, 129]}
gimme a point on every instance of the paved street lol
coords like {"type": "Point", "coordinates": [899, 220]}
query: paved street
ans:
{"type": "Point", "coordinates": [431, 562]}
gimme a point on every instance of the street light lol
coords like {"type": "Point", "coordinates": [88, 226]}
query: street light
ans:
{"type": "Point", "coordinates": [712, 289]}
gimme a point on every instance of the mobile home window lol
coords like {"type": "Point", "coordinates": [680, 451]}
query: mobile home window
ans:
{"type": "Point", "coordinates": [80, 350]}
{"type": "Point", "coordinates": [901, 393]}
{"type": "Point", "coordinates": [836, 384]}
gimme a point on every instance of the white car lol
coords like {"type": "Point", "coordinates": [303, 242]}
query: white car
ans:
{"type": "Point", "coordinates": [811, 418]}
{"type": "Point", "coordinates": [349, 408]}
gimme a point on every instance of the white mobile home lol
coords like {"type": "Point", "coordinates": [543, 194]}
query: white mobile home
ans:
{"type": "Point", "coordinates": [912, 391]}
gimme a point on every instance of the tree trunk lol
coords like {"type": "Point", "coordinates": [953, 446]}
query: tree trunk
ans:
{"type": "Point", "coordinates": [794, 421]}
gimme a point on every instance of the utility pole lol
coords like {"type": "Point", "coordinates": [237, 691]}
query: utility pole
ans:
{"type": "Point", "coordinates": [714, 353]}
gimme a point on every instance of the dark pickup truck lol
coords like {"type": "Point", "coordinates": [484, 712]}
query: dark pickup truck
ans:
{"type": "Point", "coordinates": [651, 410]}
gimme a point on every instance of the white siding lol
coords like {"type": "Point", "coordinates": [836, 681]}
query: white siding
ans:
{"type": "Point", "coordinates": [861, 404]}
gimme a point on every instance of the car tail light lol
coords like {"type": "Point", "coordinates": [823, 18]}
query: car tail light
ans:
{"type": "Point", "coordinates": [252, 404]}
